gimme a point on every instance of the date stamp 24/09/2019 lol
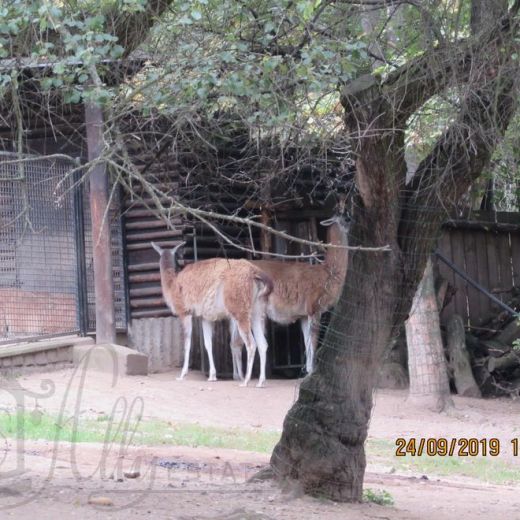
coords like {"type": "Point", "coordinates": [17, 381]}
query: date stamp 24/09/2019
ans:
{"type": "Point", "coordinates": [454, 447]}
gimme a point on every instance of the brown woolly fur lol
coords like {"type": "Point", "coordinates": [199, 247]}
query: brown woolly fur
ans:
{"type": "Point", "coordinates": [196, 288]}
{"type": "Point", "coordinates": [218, 289]}
{"type": "Point", "coordinates": [304, 291]}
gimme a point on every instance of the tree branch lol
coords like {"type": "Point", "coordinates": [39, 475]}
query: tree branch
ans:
{"type": "Point", "coordinates": [408, 88]}
{"type": "Point", "coordinates": [457, 159]}
{"type": "Point", "coordinates": [132, 29]}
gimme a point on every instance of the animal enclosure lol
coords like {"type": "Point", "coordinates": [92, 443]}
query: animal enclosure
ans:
{"type": "Point", "coordinates": [46, 278]}
{"type": "Point", "coordinates": [198, 188]}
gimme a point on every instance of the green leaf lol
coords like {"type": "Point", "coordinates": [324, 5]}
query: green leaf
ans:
{"type": "Point", "coordinates": [117, 51]}
{"type": "Point", "coordinates": [46, 83]}
{"type": "Point", "coordinates": [73, 97]}
{"type": "Point", "coordinates": [58, 68]}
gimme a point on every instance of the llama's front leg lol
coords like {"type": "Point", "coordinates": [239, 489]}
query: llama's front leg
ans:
{"type": "Point", "coordinates": [186, 329]}
{"type": "Point", "coordinates": [207, 331]}
{"type": "Point", "coordinates": [236, 345]}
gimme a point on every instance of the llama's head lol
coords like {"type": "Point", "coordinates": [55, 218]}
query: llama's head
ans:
{"type": "Point", "coordinates": [168, 257]}
{"type": "Point", "coordinates": [340, 220]}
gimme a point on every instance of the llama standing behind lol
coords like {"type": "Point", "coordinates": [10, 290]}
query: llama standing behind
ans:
{"type": "Point", "coordinates": [213, 290]}
{"type": "Point", "coordinates": [303, 292]}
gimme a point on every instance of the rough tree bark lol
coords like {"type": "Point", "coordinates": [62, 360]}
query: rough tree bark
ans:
{"type": "Point", "coordinates": [321, 448]}
{"type": "Point", "coordinates": [429, 383]}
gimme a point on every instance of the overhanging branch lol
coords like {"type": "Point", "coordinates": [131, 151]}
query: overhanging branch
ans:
{"type": "Point", "coordinates": [408, 88]}
{"type": "Point", "coordinates": [457, 159]}
{"type": "Point", "coordinates": [132, 29]}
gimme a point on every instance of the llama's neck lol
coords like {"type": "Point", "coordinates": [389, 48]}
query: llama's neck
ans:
{"type": "Point", "coordinates": [169, 270]}
{"type": "Point", "coordinates": [336, 259]}
{"type": "Point", "coordinates": [169, 263]}
{"type": "Point", "coordinates": [169, 280]}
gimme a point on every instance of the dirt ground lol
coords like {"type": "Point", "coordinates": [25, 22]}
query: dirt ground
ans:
{"type": "Point", "coordinates": [46, 479]}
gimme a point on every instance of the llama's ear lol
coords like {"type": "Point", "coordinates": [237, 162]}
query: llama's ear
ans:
{"type": "Point", "coordinates": [174, 250]}
{"type": "Point", "coordinates": [157, 248]}
{"type": "Point", "coordinates": [342, 220]}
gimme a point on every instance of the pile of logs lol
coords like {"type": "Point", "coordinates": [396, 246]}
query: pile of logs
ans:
{"type": "Point", "coordinates": [491, 350]}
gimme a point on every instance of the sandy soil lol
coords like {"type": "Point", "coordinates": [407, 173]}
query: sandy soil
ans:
{"type": "Point", "coordinates": [43, 479]}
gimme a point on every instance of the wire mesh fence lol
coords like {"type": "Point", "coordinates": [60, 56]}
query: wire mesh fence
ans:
{"type": "Point", "coordinates": [38, 261]}
{"type": "Point", "coordinates": [46, 267]}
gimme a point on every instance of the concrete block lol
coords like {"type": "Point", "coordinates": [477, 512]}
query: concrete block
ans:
{"type": "Point", "coordinates": [64, 354]}
{"type": "Point", "coordinates": [17, 361]}
{"type": "Point", "coordinates": [40, 358]}
{"type": "Point", "coordinates": [110, 358]}
{"type": "Point", "coordinates": [52, 356]}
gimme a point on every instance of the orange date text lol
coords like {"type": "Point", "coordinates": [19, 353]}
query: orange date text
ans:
{"type": "Point", "coordinates": [444, 447]}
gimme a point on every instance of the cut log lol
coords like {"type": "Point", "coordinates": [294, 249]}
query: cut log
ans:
{"type": "Point", "coordinates": [505, 362]}
{"type": "Point", "coordinates": [459, 358]}
{"type": "Point", "coordinates": [509, 333]}
{"type": "Point", "coordinates": [475, 346]}
{"type": "Point", "coordinates": [496, 348]}
{"type": "Point", "coordinates": [484, 379]}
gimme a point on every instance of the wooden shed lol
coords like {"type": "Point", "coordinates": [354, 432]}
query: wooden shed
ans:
{"type": "Point", "coordinates": [288, 207]}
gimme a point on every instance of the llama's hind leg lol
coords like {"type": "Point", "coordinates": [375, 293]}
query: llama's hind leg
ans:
{"type": "Point", "coordinates": [249, 340]}
{"type": "Point", "coordinates": [207, 331]}
{"type": "Point", "coordinates": [236, 344]}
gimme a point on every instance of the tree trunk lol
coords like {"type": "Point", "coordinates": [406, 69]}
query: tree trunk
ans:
{"type": "Point", "coordinates": [429, 383]}
{"type": "Point", "coordinates": [321, 449]}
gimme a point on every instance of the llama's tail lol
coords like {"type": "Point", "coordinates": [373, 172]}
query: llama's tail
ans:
{"type": "Point", "coordinates": [265, 284]}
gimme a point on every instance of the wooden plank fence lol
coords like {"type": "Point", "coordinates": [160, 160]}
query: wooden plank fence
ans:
{"type": "Point", "coordinates": [487, 248]}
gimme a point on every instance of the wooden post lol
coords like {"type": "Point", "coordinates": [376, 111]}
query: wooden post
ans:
{"type": "Point", "coordinates": [99, 195]}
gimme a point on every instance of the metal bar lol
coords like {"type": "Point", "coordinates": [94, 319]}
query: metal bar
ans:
{"type": "Point", "coordinates": [35, 339]}
{"type": "Point", "coordinates": [103, 280]}
{"type": "Point", "coordinates": [81, 267]}
{"type": "Point", "coordinates": [476, 285]}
